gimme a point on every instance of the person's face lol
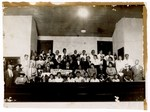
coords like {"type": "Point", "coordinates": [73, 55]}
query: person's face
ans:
{"type": "Point", "coordinates": [86, 75]}
{"type": "Point", "coordinates": [92, 66]}
{"type": "Point", "coordinates": [51, 76]}
{"type": "Point", "coordinates": [101, 52]}
{"type": "Point", "coordinates": [21, 76]}
{"type": "Point", "coordinates": [43, 52]}
{"type": "Point", "coordinates": [26, 57]}
{"type": "Point", "coordinates": [59, 75]}
{"type": "Point", "coordinates": [126, 56]}
{"type": "Point", "coordinates": [57, 52]}
{"type": "Point", "coordinates": [75, 51]}
{"type": "Point", "coordinates": [136, 62]}
{"type": "Point", "coordinates": [110, 65]}
{"type": "Point", "coordinates": [33, 57]}
{"type": "Point", "coordinates": [10, 67]}
{"type": "Point", "coordinates": [116, 76]}
{"type": "Point", "coordinates": [101, 67]}
{"type": "Point", "coordinates": [80, 67]}
{"type": "Point", "coordinates": [65, 51]}
{"type": "Point", "coordinates": [120, 57]}
{"type": "Point", "coordinates": [67, 64]}
{"type": "Point", "coordinates": [50, 51]}
{"type": "Point", "coordinates": [58, 66]}
{"type": "Point", "coordinates": [83, 51]}
{"type": "Point", "coordinates": [49, 59]}
{"type": "Point", "coordinates": [40, 58]}
{"type": "Point", "coordinates": [17, 68]}
{"type": "Point", "coordinates": [88, 58]}
{"type": "Point", "coordinates": [78, 74]}
{"type": "Point", "coordinates": [93, 52]}
{"type": "Point", "coordinates": [48, 65]}
{"type": "Point", "coordinates": [109, 53]}
{"type": "Point", "coordinates": [4, 59]}
{"type": "Point", "coordinates": [39, 66]}
{"type": "Point", "coordinates": [109, 59]}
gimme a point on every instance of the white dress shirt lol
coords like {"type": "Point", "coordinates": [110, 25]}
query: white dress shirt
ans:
{"type": "Point", "coordinates": [94, 80]}
{"type": "Point", "coordinates": [10, 73]}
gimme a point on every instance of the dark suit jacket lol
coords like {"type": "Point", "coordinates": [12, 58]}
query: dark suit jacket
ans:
{"type": "Point", "coordinates": [9, 81]}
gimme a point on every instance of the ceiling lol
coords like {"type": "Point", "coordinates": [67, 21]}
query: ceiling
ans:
{"type": "Point", "coordinates": [62, 20]}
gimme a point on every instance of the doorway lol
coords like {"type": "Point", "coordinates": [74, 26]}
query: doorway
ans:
{"type": "Point", "coordinates": [45, 45]}
{"type": "Point", "coordinates": [105, 46]}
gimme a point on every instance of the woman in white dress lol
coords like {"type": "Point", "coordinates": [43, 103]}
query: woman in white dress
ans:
{"type": "Point", "coordinates": [32, 68]}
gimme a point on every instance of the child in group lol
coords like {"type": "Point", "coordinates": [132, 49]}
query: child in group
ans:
{"type": "Point", "coordinates": [78, 77]}
{"type": "Point", "coordinates": [51, 78]}
{"type": "Point", "coordinates": [116, 78]}
{"type": "Point", "coordinates": [86, 77]}
{"type": "Point", "coordinates": [58, 77]}
{"type": "Point", "coordinates": [94, 78]}
{"type": "Point", "coordinates": [70, 78]}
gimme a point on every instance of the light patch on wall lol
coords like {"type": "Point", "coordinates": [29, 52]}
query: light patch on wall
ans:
{"type": "Point", "coordinates": [83, 12]}
{"type": "Point", "coordinates": [83, 31]}
{"type": "Point", "coordinates": [32, 3]}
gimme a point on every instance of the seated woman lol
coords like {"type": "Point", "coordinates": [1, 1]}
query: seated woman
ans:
{"type": "Point", "coordinates": [92, 70]}
{"type": "Point", "coordinates": [127, 74]}
{"type": "Point", "coordinates": [39, 70]}
{"type": "Point", "coordinates": [21, 79]}
{"type": "Point", "coordinates": [82, 71]}
{"type": "Point", "coordinates": [51, 78]}
{"type": "Point", "coordinates": [47, 68]}
{"type": "Point", "coordinates": [86, 77]}
{"type": "Point", "coordinates": [67, 67]}
{"type": "Point", "coordinates": [58, 78]}
{"type": "Point", "coordinates": [78, 77]}
{"type": "Point", "coordinates": [102, 79]}
{"type": "Point", "coordinates": [111, 71]}
{"type": "Point", "coordinates": [70, 78]}
{"type": "Point", "coordinates": [110, 60]}
{"type": "Point", "coordinates": [116, 78]}
{"type": "Point", "coordinates": [95, 61]}
{"type": "Point", "coordinates": [94, 78]}
{"type": "Point", "coordinates": [101, 72]}
{"type": "Point", "coordinates": [40, 61]}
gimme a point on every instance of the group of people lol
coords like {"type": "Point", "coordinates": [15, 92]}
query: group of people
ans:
{"type": "Point", "coordinates": [84, 68]}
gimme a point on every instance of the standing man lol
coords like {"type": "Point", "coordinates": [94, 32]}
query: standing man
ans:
{"type": "Point", "coordinates": [128, 60]}
{"type": "Point", "coordinates": [9, 76]}
{"type": "Point", "coordinates": [137, 69]}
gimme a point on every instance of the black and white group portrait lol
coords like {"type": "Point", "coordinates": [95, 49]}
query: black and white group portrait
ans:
{"type": "Point", "coordinates": [73, 52]}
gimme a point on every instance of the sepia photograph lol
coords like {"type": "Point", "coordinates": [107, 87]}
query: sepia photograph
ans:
{"type": "Point", "coordinates": [74, 52]}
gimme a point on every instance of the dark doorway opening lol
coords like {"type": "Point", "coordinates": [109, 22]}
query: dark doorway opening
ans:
{"type": "Point", "coordinates": [105, 46]}
{"type": "Point", "coordinates": [121, 52]}
{"type": "Point", "coordinates": [45, 45]}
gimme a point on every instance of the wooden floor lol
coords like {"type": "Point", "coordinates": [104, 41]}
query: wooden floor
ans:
{"type": "Point", "coordinates": [66, 92]}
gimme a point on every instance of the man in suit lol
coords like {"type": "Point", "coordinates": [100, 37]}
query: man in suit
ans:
{"type": "Point", "coordinates": [9, 76]}
{"type": "Point", "coordinates": [137, 70]}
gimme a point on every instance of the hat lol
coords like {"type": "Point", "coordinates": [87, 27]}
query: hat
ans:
{"type": "Point", "coordinates": [22, 73]}
{"type": "Point", "coordinates": [17, 65]}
